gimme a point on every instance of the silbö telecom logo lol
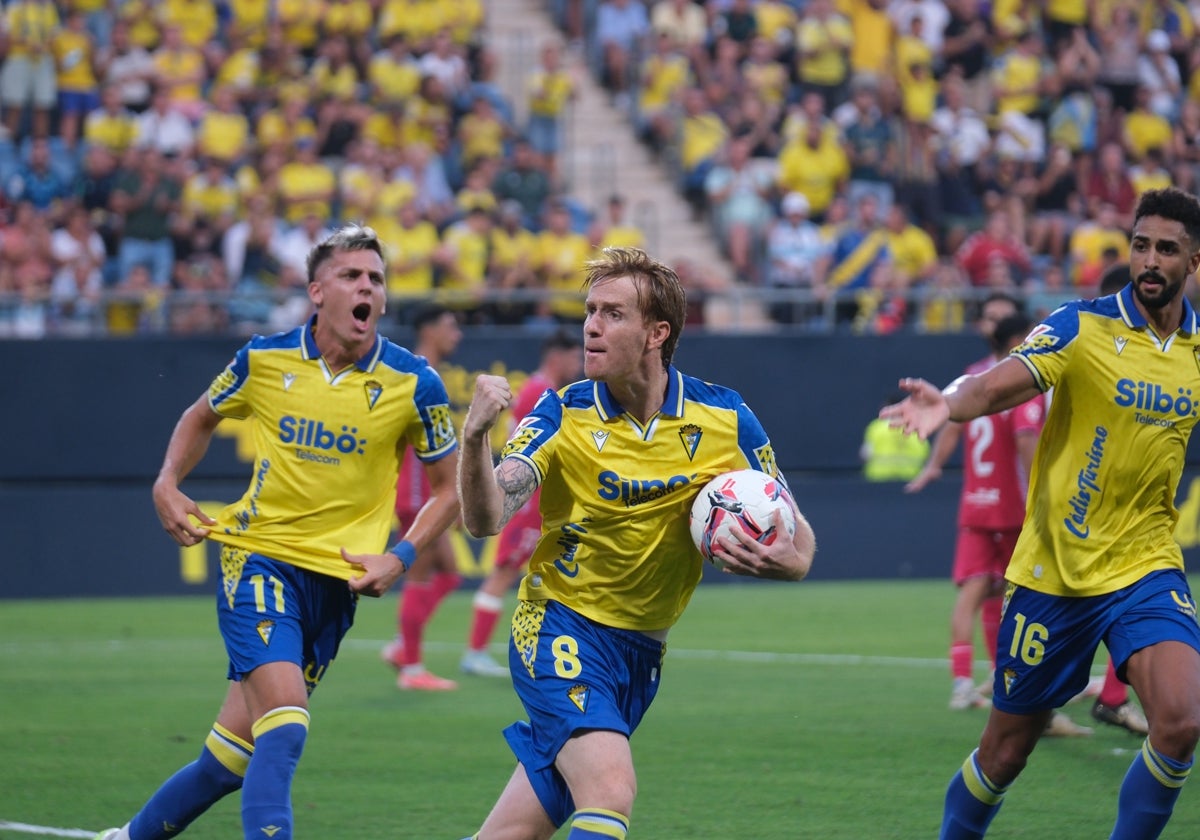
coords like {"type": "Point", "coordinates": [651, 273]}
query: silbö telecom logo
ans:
{"type": "Point", "coordinates": [314, 442]}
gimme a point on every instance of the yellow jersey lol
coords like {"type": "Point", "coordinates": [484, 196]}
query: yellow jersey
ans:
{"type": "Point", "coordinates": [327, 445]}
{"type": "Point", "coordinates": [1101, 508]}
{"type": "Point", "coordinates": [616, 494]}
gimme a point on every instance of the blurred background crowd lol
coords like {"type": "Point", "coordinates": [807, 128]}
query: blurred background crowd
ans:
{"type": "Point", "coordinates": [866, 165]}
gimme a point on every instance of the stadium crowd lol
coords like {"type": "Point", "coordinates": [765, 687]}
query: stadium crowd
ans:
{"type": "Point", "coordinates": [900, 157]}
{"type": "Point", "coordinates": [165, 166]}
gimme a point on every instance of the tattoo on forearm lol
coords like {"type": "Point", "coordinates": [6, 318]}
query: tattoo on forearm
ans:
{"type": "Point", "coordinates": [517, 480]}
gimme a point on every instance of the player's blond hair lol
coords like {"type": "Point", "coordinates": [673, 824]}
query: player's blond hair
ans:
{"type": "Point", "coordinates": [660, 294]}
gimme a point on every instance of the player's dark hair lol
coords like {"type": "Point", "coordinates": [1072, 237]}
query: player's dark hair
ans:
{"type": "Point", "coordinates": [562, 339]}
{"type": "Point", "coordinates": [428, 314]}
{"type": "Point", "coordinates": [1175, 204]}
{"type": "Point", "coordinates": [352, 237]}
{"type": "Point", "coordinates": [660, 294]}
{"type": "Point", "coordinates": [1013, 327]}
{"type": "Point", "coordinates": [1001, 296]}
{"type": "Point", "coordinates": [1114, 279]}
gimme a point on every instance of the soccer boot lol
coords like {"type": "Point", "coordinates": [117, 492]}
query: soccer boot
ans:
{"type": "Point", "coordinates": [424, 681]}
{"type": "Point", "coordinates": [1061, 726]}
{"type": "Point", "coordinates": [964, 695]}
{"type": "Point", "coordinates": [481, 664]}
{"type": "Point", "coordinates": [1126, 716]}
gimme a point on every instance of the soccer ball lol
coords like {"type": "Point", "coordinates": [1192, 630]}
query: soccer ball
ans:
{"type": "Point", "coordinates": [746, 497]}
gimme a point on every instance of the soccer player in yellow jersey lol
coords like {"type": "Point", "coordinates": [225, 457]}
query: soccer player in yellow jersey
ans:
{"type": "Point", "coordinates": [1096, 559]}
{"type": "Point", "coordinates": [620, 457]}
{"type": "Point", "coordinates": [334, 405]}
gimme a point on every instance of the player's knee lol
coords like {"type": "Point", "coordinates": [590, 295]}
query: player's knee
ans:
{"type": "Point", "coordinates": [1176, 734]}
{"type": "Point", "coordinates": [614, 792]}
{"type": "Point", "coordinates": [1004, 762]}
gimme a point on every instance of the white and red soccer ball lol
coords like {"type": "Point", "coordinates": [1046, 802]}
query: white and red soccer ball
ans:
{"type": "Point", "coordinates": [745, 497]}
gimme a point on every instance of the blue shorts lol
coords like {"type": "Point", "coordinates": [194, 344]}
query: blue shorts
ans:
{"type": "Point", "coordinates": [79, 102]}
{"type": "Point", "coordinates": [271, 611]}
{"type": "Point", "coordinates": [1046, 644]}
{"type": "Point", "coordinates": [573, 674]}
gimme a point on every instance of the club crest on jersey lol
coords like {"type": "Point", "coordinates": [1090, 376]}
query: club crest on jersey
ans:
{"type": "Point", "coordinates": [288, 380]}
{"type": "Point", "coordinates": [1010, 680]}
{"type": "Point", "coordinates": [601, 437]}
{"type": "Point", "coordinates": [265, 628]}
{"type": "Point", "coordinates": [690, 436]}
{"type": "Point", "coordinates": [373, 389]}
{"type": "Point", "coordinates": [578, 694]}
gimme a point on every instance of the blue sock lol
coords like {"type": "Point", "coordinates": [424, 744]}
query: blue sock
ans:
{"type": "Point", "coordinates": [190, 792]}
{"type": "Point", "coordinates": [279, 737]}
{"type": "Point", "coordinates": [1148, 794]}
{"type": "Point", "coordinates": [598, 824]}
{"type": "Point", "coordinates": [972, 799]}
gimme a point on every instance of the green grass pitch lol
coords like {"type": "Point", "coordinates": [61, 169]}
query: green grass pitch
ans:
{"type": "Point", "coordinates": [812, 710]}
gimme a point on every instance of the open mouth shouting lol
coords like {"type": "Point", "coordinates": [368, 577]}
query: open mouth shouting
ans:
{"type": "Point", "coordinates": [362, 315]}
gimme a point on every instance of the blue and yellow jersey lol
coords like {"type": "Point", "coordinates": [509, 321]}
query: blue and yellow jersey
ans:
{"type": "Point", "coordinates": [616, 494]}
{"type": "Point", "coordinates": [328, 446]}
{"type": "Point", "coordinates": [1101, 511]}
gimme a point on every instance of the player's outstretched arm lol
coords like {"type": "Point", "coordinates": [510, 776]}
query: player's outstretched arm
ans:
{"type": "Point", "coordinates": [926, 409]}
{"type": "Point", "coordinates": [489, 496]}
{"type": "Point", "coordinates": [185, 449]}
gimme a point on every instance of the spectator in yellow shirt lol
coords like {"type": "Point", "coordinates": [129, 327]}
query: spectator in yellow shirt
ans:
{"type": "Point", "coordinates": [463, 263]}
{"type": "Point", "coordinates": [1018, 75]}
{"type": "Point", "coordinates": [287, 124]}
{"type": "Point", "coordinates": [613, 231]}
{"type": "Point", "coordinates": [1089, 242]}
{"type": "Point", "coordinates": [550, 89]}
{"type": "Point", "coordinates": [411, 244]}
{"type": "Point", "coordinates": [561, 255]}
{"type": "Point", "coordinates": [914, 253]}
{"type": "Point", "coordinates": [224, 132]}
{"type": "Point", "coordinates": [512, 274]}
{"type": "Point", "coordinates": [874, 35]}
{"type": "Point", "coordinates": [702, 138]}
{"type": "Point", "coordinates": [180, 69]}
{"type": "Point", "coordinates": [1144, 129]}
{"type": "Point", "coordinates": [248, 22]}
{"type": "Point", "coordinates": [305, 185]}
{"type": "Point", "coordinates": [665, 75]}
{"type": "Point", "coordinates": [75, 57]}
{"type": "Point", "coordinates": [392, 73]}
{"type": "Point", "coordinates": [481, 133]}
{"type": "Point", "coordinates": [816, 166]}
{"type": "Point", "coordinates": [28, 77]}
{"type": "Point", "coordinates": [196, 19]}
{"type": "Point", "coordinates": [823, 42]}
{"type": "Point", "coordinates": [210, 198]}
{"type": "Point", "coordinates": [111, 125]}
{"type": "Point", "coordinates": [301, 20]}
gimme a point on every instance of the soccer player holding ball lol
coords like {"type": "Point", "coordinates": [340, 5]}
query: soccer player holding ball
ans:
{"type": "Point", "coordinates": [619, 457]}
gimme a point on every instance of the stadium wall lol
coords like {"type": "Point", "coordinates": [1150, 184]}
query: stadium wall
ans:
{"type": "Point", "coordinates": [85, 424]}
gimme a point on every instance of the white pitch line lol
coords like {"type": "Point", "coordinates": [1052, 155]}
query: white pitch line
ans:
{"type": "Point", "coordinates": [45, 830]}
{"type": "Point", "coordinates": [118, 646]}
